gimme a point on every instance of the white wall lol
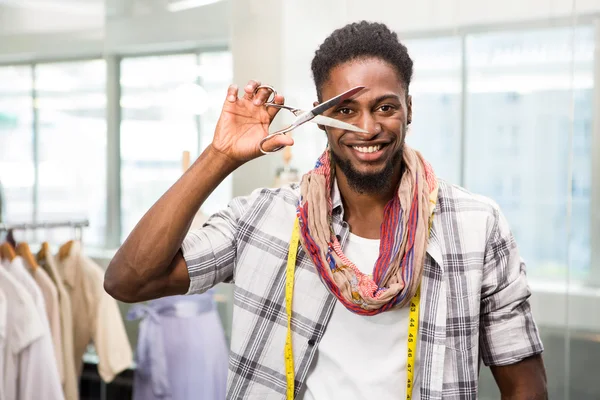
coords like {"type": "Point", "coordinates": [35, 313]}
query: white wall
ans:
{"type": "Point", "coordinates": [311, 20]}
{"type": "Point", "coordinates": [20, 20]}
{"type": "Point", "coordinates": [203, 26]}
{"type": "Point", "coordinates": [27, 35]}
{"type": "Point", "coordinates": [424, 15]}
{"type": "Point", "coordinates": [30, 34]}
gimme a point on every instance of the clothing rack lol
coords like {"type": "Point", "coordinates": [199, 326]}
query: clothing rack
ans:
{"type": "Point", "coordinates": [44, 225]}
{"type": "Point", "coordinates": [76, 225]}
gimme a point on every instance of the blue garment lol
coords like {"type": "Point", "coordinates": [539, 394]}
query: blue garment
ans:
{"type": "Point", "coordinates": [181, 353]}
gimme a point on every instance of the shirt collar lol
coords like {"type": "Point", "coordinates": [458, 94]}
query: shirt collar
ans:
{"type": "Point", "coordinates": [435, 244]}
{"type": "Point", "coordinates": [336, 199]}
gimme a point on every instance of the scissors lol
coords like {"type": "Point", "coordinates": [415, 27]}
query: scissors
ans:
{"type": "Point", "coordinates": [313, 115]}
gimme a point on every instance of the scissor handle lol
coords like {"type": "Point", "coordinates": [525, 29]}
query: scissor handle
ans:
{"type": "Point", "coordinates": [270, 89]}
{"type": "Point", "coordinates": [271, 135]}
{"type": "Point", "coordinates": [270, 102]}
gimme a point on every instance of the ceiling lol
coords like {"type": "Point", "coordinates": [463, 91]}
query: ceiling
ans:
{"type": "Point", "coordinates": [98, 7]}
{"type": "Point", "coordinates": [78, 7]}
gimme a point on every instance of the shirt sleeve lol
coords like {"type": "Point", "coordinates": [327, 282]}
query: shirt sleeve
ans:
{"type": "Point", "coordinates": [50, 294]}
{"type": "Point", "coordinates": [508, 331]}
{"type": "Point", "coordinates": [110, 338]}
{"type": "Point", "coordinates": [210, 251]}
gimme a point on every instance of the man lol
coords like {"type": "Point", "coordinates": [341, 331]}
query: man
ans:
{"type": "Point", "coordinates": [379, 235]}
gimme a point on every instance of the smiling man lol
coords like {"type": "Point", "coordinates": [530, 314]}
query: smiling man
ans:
{"type": "Point", "coordinates": [402, 283]}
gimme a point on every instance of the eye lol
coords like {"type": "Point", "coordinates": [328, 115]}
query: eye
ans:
{"type": "Point", "coordinates": [344, 111]}
{"type": "Point", "coordinates": [387, 108]}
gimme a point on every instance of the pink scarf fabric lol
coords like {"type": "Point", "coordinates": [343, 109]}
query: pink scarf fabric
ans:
{"type": "Point", "coordinates": [404, 237]}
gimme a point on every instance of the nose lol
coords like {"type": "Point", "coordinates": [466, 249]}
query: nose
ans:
{"type": "Point", "coordinates": [369, 124]}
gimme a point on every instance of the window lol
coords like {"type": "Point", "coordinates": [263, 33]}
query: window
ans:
{"type": "Point", "coordinates": [436, 103]}
{"type": "Point", "coordinates": [519, 106]}
{"type": "Point", "coordinates": [170, 104]}
{"type": "Point", "coordinates": [16, 143]}
{"type": "Point", "coordinates": [216, 74]}
{"type": "Point", "coordinates": [159, 103]}
{"type": "Point", "coordinates": [71, 103]}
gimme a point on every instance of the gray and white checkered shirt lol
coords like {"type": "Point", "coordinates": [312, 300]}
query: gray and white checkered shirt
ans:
{"type": "Point", "coordinates": [474, 293]}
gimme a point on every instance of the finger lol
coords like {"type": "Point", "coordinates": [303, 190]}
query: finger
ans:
{"type": "Point", "coordinates": [232, 93]}
{"type": "Point", "coordinates": [277, 141]}
{"type": "Point", "coordinates": [279, 99]}
{"type": "Point", "coordinates": [261, 96]}
{"type": "Point", "coordinates": [250, 88]}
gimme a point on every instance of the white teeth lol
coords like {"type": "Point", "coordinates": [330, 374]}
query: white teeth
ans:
{"type": "Point", "coordinates": [370, 149]}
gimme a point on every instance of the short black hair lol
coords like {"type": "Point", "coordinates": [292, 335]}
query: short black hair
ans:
{"type": "Point", "coordinates": [360, 40]}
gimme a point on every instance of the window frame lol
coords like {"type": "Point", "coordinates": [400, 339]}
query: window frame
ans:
{"type": "Point", "coordinates": [593, 20]}
{"type": "Point", "coordinates": [112, 235]}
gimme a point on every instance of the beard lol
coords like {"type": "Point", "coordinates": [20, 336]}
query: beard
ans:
{"type": "Point", "coordinates": [372, 182]}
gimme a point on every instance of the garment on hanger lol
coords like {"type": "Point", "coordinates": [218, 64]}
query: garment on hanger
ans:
{"type": "Point", "coordinates": [29, 366]}
{"type": "Point", "coordinates": [7, 252]}
{"type": "Point", "coordinates": [181, 353]}
{"type": "Point", "coordinates": [3, 331]}
{"type": "Point", "coordinates": [19, 272]}
{"type": "Point", "coordinates": [71, 381]}
{"type": "Point", "coordinates": [2, 209]}
{"type": "Point", "coordinates": [96, 315]}
{"type": "Point", "coordinates": [50, 296]}
{"type": "Point", "coordinates": [10, 238]}
{"type": "Point", "coordinates": [24, 252]}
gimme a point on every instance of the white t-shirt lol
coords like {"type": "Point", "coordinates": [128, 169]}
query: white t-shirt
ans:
{"type": "Point", "coordinates": [361, 357]}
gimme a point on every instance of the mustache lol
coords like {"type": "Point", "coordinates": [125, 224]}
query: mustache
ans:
{"type": "Point", "coordinates": [368, 183]}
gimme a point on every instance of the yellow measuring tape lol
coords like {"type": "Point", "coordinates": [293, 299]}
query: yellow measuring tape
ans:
{"type": "Point", "coordinates": [413, 332]}
{"type": "Point", "coordinates": [289, 292]}
{"type": "Point", "coordinates": [413, 327]}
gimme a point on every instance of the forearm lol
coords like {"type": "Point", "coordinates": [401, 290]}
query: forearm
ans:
{"type": "Point", "coordinates": [535, 391]}
{"type": "Point", "coordinates": [525, 380]}
{"type": "Point", "coordinates": [146, 257]}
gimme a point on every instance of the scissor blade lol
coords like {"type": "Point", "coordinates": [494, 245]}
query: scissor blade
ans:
{"type": "Point", "coordinates": [334, 123]}
{"type": "Point", "coordinates": [321, 108]}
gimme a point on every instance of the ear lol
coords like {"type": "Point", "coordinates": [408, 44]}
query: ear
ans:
{"type": "Point", "coordinates": [321, 127]}
{"type": "Point", "coordinates": [409, 110]}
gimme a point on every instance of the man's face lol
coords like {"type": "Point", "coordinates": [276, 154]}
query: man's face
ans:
{"type": "Point", "coordinates": [370, 161]}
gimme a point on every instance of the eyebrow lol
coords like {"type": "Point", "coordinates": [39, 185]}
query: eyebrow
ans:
{"type": "Point", "coordinates": [375, 101]}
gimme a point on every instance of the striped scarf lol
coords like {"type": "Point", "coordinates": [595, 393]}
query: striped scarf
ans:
{"type": "Point", "coordinates": [404, 235]}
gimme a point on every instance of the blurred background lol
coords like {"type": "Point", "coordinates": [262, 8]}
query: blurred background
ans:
{"type": "Point", "coordinates": [99, 100]}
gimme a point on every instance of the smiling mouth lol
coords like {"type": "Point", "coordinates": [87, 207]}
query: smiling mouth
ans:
{"type": "Point", "coordinates": [368, 149]}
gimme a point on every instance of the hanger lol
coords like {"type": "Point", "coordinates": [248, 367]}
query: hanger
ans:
{"type": "Point", "coordinates": [43, 253]}
{"type": "Point", "coordinates": [10, 238]}
{"type": "Point", "coordinates": [7, 251]}
{"type": "Point", "coordinates": [65, 249]}
{"type": "Point", "coordinates": [25, 252]}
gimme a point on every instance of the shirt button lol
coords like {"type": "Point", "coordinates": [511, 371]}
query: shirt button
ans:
{"type": "Point", "coordinates": [311, 342]}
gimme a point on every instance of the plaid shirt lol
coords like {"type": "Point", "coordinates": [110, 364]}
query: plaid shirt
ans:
{"type": "Point", "coordinates": [474, 293]}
